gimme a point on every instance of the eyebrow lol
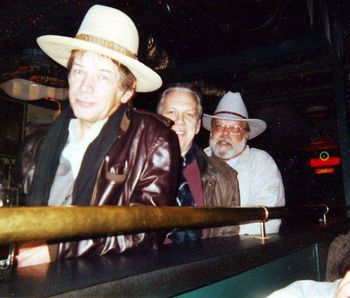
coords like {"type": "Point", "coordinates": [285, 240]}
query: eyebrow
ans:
{"type": "Point", "coordinates": [76, 64]}
{"type": "Point", "coordinates": [106, 71]}
{"type": "Point", "coordinates": [174, 106]}
{"type": "Point", "coordinates": [101, 69]}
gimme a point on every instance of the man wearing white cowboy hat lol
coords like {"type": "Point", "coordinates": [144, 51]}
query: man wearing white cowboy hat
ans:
{"type": "Point", "coordinates": [99, 151]}
{"type": "Point", "coordinates": [260, 181]}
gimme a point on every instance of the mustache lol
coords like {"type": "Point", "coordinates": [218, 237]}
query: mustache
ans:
{"type": "Point", "coordinates": [223, 139]}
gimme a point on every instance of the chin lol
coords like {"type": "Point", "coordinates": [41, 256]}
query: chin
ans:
{"type": "Point", "coordinates": [222, 152]}
{"type": "Point", "coordinates": [84, 117]}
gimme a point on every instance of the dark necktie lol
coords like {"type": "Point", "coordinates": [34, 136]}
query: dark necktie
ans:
{"type": "Point", "coordinates": [184, 198]}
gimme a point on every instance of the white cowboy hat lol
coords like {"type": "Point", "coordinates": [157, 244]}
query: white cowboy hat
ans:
{"type": "Point", "coordinates": [109, 32]}
{"type": "Point", "coordinates": [232, 107]}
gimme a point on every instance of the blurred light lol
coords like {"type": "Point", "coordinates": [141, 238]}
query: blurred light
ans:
{"type": "Point", "coordinates": [323, 171]}
{"type": "Point", "coordinates": [29, 90]}
{"type": "Point", "coordinates": [331, 161]}
{"type": "Point", "coordinates": [324, 155]}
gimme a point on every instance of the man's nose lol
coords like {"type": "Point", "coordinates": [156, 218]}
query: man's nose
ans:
{"type": "Point", "coordinates": [87, 84]}
{"type": "Point", "coordinates": [179, 118]}
{"type": "Point", "coordinates": [226, 130]}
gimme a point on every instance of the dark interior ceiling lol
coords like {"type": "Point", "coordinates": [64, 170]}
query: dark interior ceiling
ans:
{"type": "Point", "coordinates": [280, 54]}
{"type": "Point", "coordinates": [183, 31]}
{"type": "Point", "coordinates": [174, 33]}
{"type": "Point", "coordinates": [177, 31]}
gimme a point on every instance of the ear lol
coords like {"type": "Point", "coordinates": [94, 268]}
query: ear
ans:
{"type": "Point", "coordinates": [127, 95]}
{"type": "Point", "coordinates": [198, 125]}
{"type": "Point", "coordinates": [246, 136]}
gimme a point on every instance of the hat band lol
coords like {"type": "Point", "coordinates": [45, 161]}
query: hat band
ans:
{"type": "Point", "coordinates": [232, 113]}
{"type": "Point", "coordinates": [107, 44]}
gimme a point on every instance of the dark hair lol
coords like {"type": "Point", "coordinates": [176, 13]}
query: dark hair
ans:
{"type": "Point", "coordinates": [127, 79]}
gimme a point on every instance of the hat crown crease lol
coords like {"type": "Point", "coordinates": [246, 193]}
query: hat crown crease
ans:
{"type": "Point", "coordinates": [231, 113]}
{"type": "Point", "coordinates": [111, 25]}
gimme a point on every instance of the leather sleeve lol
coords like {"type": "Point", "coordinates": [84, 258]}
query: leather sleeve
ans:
{"type": "Point", "coordinates": [157, 186]}
{"type": "Point", "coordinates": [27, 155]}
{"type": "Point", "coordinates": [225, 194]}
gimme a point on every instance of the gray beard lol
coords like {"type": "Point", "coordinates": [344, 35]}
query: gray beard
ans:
{"type": "Point", "coordinates": [225, 153]}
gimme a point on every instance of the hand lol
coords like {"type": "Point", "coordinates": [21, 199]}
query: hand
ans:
{"type": "Point", "coordinates": [343, 290]}
{"type": "Point", "coordinates": [33, 253]}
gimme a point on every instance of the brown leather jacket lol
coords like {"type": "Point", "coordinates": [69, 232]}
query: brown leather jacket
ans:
{"type": "Point", "coordinates": [220, 189]}
{"type": "Point", "coordinates": [140, 169]}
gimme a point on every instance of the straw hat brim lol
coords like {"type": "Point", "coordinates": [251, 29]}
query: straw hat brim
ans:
{"type": "Point", "coordinates": [59, 48]}
{"type": "Point", "coordinates": [256, 126]}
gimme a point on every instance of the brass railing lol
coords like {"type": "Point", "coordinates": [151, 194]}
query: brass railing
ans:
{"type": "Point", "coordinates": [20, 224]}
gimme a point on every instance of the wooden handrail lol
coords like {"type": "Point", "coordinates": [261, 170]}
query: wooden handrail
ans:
{"type": "Point", "coordinates": [20, 224]}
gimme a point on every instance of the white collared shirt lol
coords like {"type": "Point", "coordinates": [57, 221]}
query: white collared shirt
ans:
{"type": "Point", "coordinates": [74, 150]}
{"type": "Point", "coordinates": [260, 184]}
{"type": "Point", "coordinates": [308, 288]}
{"type": "Point", "coordinates": [70, 162]}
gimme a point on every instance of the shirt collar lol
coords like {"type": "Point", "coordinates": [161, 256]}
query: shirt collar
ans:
{"type": "Point", "coordinates": [189, 157]}
{"type": "Point", "coordinates": [91, 134]}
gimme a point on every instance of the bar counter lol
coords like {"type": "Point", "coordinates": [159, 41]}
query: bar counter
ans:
{"type": "Point", "coordinates": [186, 270]}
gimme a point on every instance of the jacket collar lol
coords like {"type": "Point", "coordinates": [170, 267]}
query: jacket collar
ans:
{"type": "Point", "coordinates": [125, 122]}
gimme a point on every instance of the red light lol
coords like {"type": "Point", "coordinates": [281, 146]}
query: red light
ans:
{"type": "Point", "coordinates": [331, 161]}
{"type": "Point", "coordinates": [323, 171]}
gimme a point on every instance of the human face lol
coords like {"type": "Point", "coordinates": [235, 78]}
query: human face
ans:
{"type": "Point", "coordinates": [226, 142]}
{"type": "Point", "coordinates": [181, 107]}
{"type": "Point", "coordinates": [94, 89]}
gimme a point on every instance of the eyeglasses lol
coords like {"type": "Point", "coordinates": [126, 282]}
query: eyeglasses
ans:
{"type": "Point", "coordinates": [234, 129]}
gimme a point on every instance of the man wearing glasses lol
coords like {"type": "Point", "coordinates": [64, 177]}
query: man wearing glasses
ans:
{"type": "Point", "coordinates": [260, 181]}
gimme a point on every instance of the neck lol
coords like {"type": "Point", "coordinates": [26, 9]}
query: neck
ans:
{"type": "Point", "coordinates": [238, 154]}
{"type": "Point", "coordinates": [82, 128]}
{"type": "Point", "coordinates": [184, 151]}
